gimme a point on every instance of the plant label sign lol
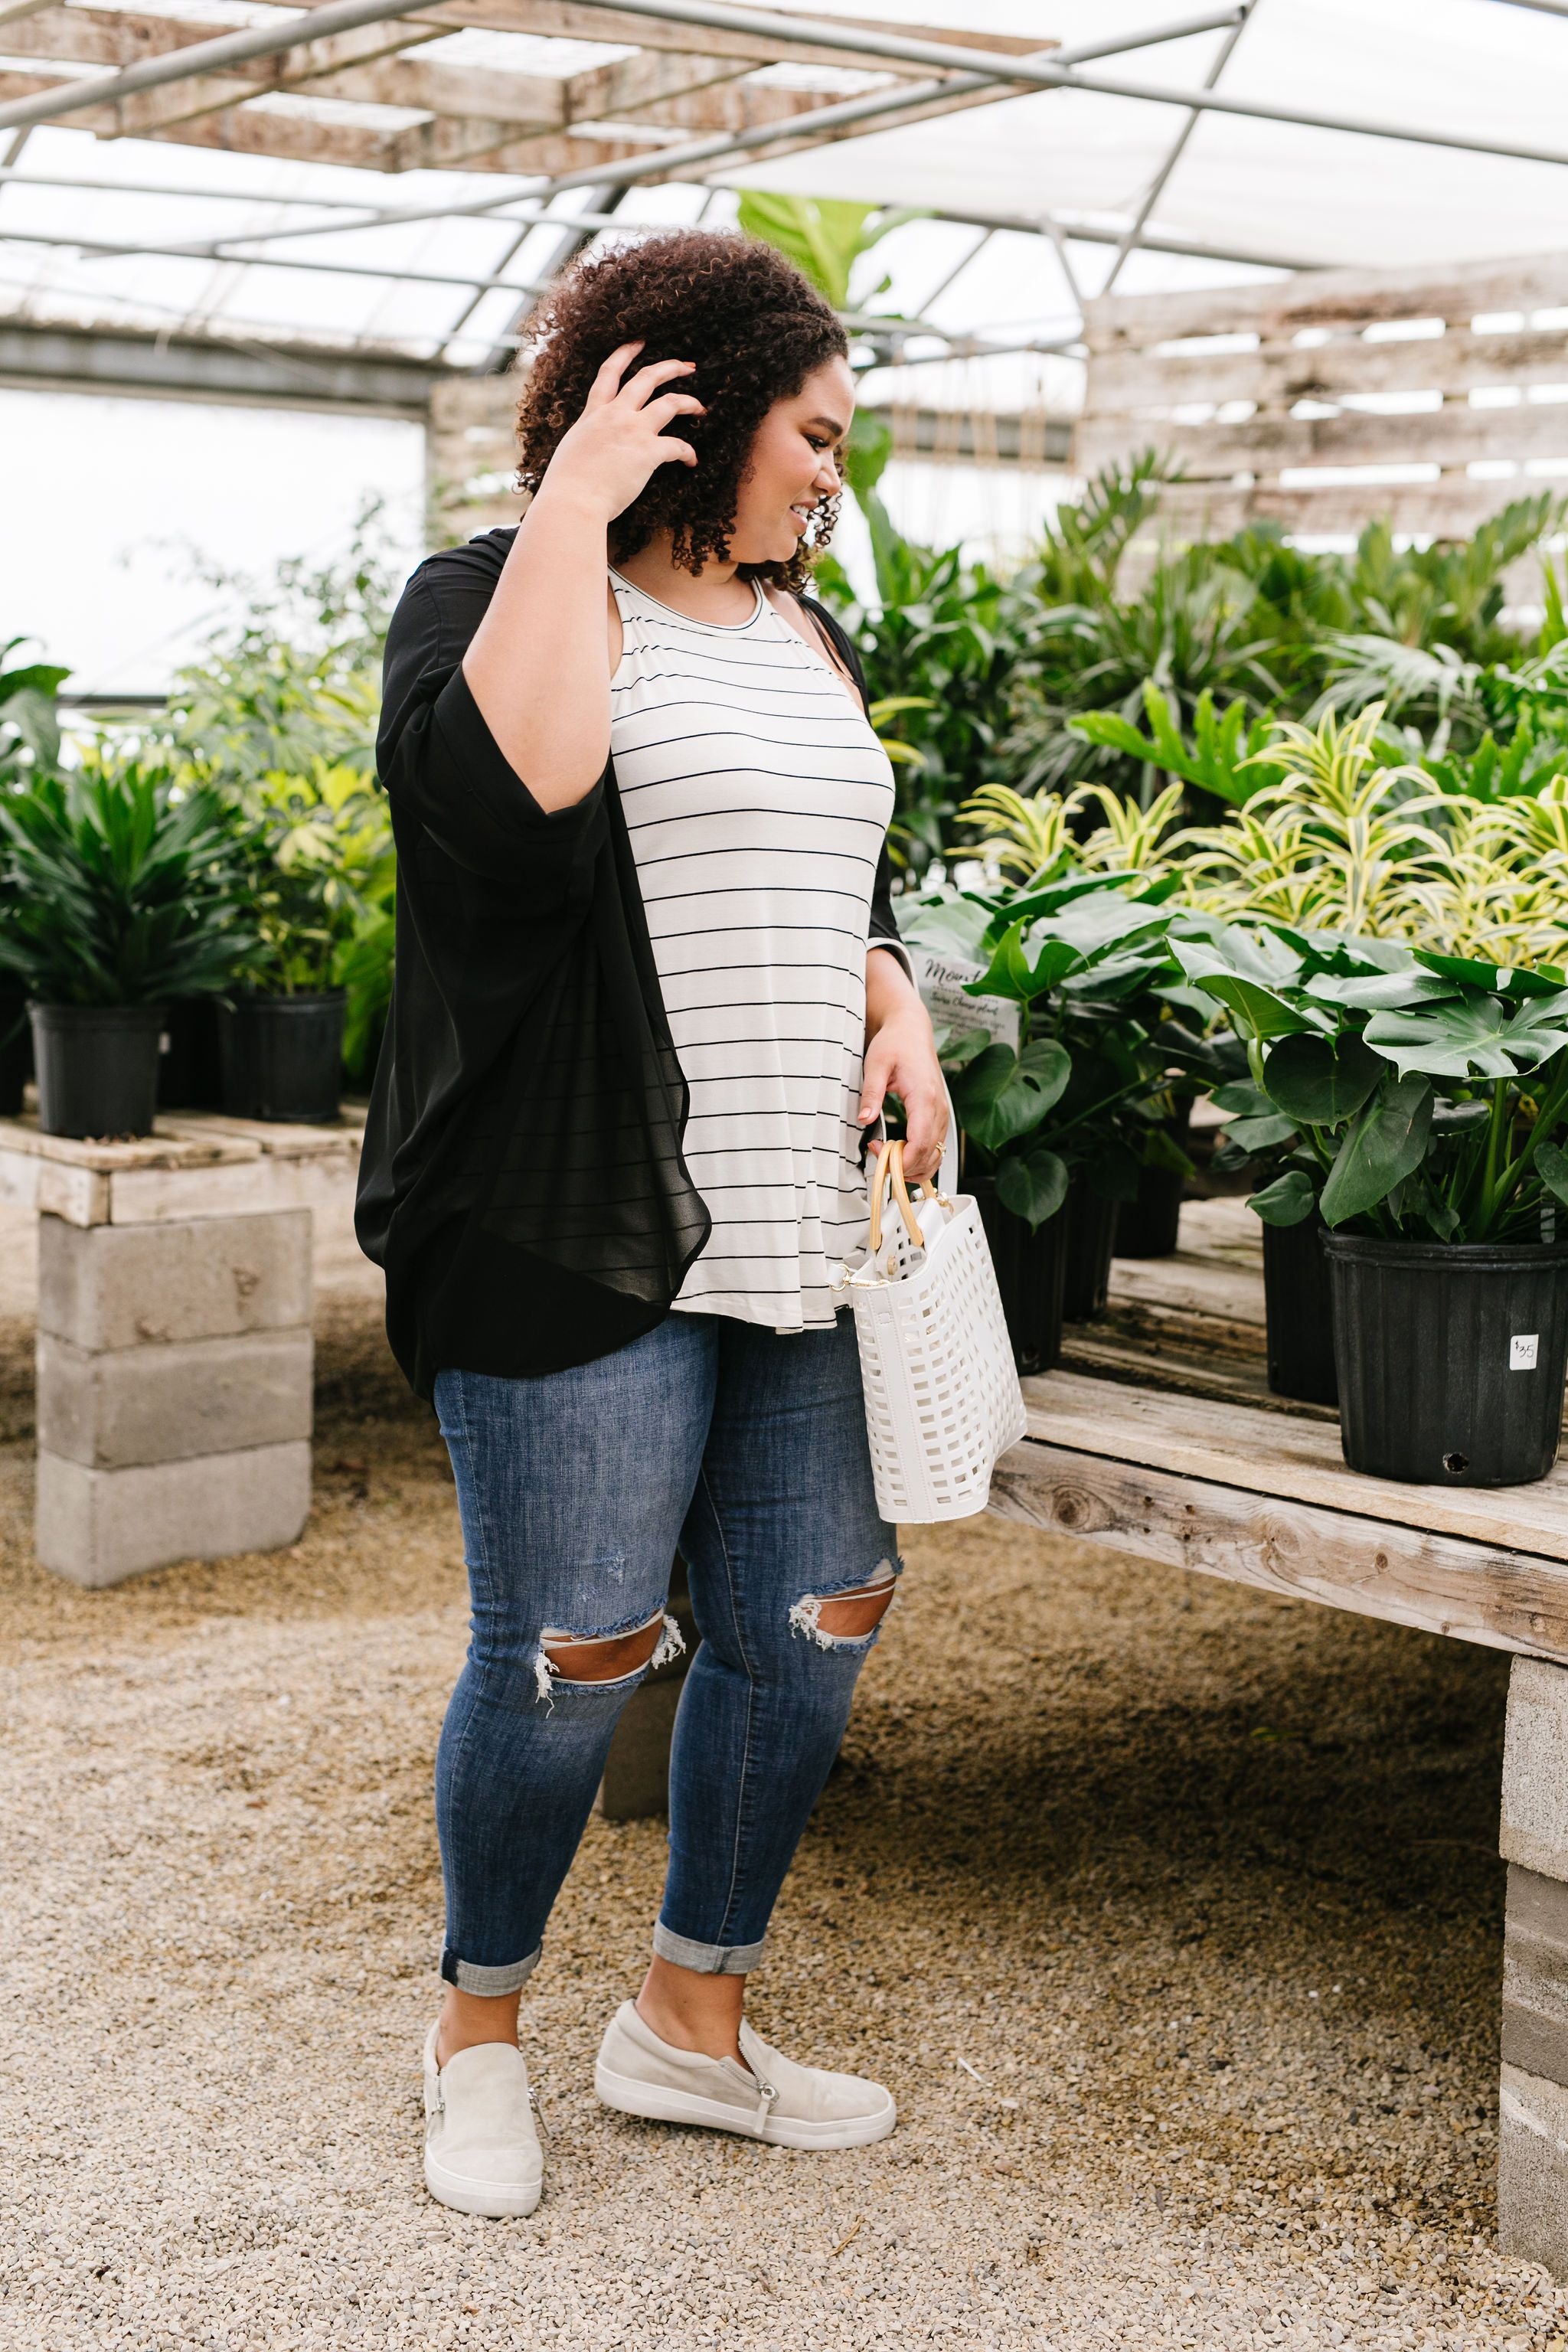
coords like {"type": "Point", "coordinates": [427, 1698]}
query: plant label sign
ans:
{"type": "Point", "coordinates": [940, 978]}
{"type": "Point", "coordinates": [1522, 1349]}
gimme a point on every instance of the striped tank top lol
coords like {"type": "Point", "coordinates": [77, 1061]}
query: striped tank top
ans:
{"type": "Point", "coordinates": [757, 797]}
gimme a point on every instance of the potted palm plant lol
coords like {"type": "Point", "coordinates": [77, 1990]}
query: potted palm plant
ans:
{"type": "Point", "coordinates": [320, 854]}
{"type": "Point", "coordinates": [1427, 1102]}
{"type": "Point", "coordinates": [30, 739]}
{"type": "Point", "coordinates": [123, 888]}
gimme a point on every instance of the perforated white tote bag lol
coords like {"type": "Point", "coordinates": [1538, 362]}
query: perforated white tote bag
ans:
{"type": "Point", "coordinates": [942, 1399]}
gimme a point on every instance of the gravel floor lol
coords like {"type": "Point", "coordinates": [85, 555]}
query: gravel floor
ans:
{"type": "Point", "coordinates": [1171, 1912]}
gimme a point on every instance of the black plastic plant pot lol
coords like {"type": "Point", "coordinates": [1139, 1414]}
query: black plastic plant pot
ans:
{"type": "Point", "coordinates": [1029, 1265]}
{"type": "Point", "coordinates": [16, 1050]}
{"type": "Point", "coordinates": [1150, 1224]}
{"type": "Point", "coordinates": [1090, 1221]}
{"type": "Point", "coordinates": [283, 1056]}
{"type": "Point", "coordinates": [1451, 1358]}
{"type": "Point", "coordinates": [1297, 1305]}
{"type": "Point", "coordinates": [97, 1068]}
{"type": "Point", "coordinates": [190, 1063]}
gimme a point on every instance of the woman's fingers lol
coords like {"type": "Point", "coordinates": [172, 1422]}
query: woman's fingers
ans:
{"type": "Point", "coordinates": [925, 1111]}
{"type": "Point", "coordinates": [639, 388]}
{"type": "Point", "coordinates": [927, 1134]}
{"type": "Point", "coordinates": [607, 383]}
{"type": "Point", "coordinates": [674, 403]}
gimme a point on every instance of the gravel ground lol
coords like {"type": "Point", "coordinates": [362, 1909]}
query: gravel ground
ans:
{"type": "Point", "coordinates": [1170, 1911]}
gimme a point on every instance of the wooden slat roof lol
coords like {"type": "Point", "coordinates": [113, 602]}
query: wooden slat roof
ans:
{"type": "Point", "coordinates": [401, 96]}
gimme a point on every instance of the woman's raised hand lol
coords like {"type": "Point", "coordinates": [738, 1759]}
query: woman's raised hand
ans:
{"type": "Point", "coordinates": [607, 457]}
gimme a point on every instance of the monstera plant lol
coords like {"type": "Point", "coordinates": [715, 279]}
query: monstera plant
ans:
{"type": "Point", "coordinates": [1416, 1104]}
{"type": "Point", "coordinates": [1061, 1085]}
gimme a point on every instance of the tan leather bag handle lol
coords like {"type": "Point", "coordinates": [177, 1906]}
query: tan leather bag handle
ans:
{"type": "Point", "coordinates": [891, 1165]}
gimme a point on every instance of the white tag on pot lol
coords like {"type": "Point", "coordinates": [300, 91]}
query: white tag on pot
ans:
{"type": "Point", "coordinates": [1522, 1351]}
{"type": "Point", "coordinates": [940, 977]}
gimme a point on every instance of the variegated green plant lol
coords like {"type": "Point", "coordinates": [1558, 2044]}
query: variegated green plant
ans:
{"type": "Point", "coordinates": [1418, 1095]}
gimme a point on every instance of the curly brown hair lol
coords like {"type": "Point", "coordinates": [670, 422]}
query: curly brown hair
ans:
{"type": "Point", "coordinates": [756, 329]}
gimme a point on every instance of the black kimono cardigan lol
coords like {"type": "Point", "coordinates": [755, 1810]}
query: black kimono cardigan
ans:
{"type": "Point", "coordinates": [522, 1184]}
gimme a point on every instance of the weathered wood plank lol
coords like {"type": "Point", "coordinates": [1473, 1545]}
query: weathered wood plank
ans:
{"type": "Point", "coordinates": [1279, 1456]}
{"type": "Point", "coordinates": [628, 85]}
{"type": "Point", "coordinates": [1131, 384]}
{"type": "Point", "coordinates": [1453, 435]}
{"type": "Point", "coordinates": [1476, 1591]}
{"type": "Point", "coordinates": [1194, 1283]}
{"type": "Point", "coordinates": [1282, 307]}
{"type": "Point", "coordinates": [441, 145]}
{"type": "Point", "coordinates": [112, 37]}
{"type": "Point", "coordinates": [247, 129]}
{"type": "Point", "coordinates": [566, 20]}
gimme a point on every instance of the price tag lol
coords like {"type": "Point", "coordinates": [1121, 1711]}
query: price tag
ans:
{"type": "Point", "coordinates": [1522, 1351]}
{"type": "Point", "coordinates": [940, 979]}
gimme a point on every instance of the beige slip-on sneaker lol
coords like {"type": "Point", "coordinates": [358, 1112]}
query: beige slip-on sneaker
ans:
{"type": "Point", "coordinates": [778, 2102]}
{"type": "Point", "coordinates": [481, 2150]}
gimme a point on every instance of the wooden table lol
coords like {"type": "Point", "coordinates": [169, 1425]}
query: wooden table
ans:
{"type": "Point", "coordinates": [1158, 1435]}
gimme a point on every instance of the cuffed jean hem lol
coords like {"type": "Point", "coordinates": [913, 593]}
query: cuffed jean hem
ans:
{"type": "Point", "coordinates": [490, 1984]}
{"type": "Point", "coordinates": [709, 1959]}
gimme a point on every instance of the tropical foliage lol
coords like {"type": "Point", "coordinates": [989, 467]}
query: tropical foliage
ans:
{"type": "Point", "coordinates": [126, 887]}
{"type": "Point", "coordinates": [1401, 1093]}
{"type": "Point", "coordinates": [29, 718]}
{"type": "Point", "coordinates": [1086, 961]}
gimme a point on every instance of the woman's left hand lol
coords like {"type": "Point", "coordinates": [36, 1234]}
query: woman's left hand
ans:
{"type": "Point", "coordinates": [901, 1058]}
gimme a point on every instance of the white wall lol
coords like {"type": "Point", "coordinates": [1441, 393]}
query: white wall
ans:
{"type": "Point", "coordinates": [102, 500]}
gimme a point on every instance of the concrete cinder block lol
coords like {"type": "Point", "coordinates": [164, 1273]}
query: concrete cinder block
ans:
{"type": "Point", "coordinates": [98, 1526]}
{"type": "Point", "coordinates": [1535, 1975]}
{"type": "Point", "coordinates": [1533, 2170]}
{"type": "Point", "coordinates": [111, 1286]}
{"type": "Point", "coordinates": [1535, 1768]}
{"type": "Point", "coordinates": [175, 1403]}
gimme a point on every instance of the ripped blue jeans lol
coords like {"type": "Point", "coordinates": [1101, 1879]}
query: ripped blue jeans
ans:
{"type": "Point", "coordinates": [743, 1449]}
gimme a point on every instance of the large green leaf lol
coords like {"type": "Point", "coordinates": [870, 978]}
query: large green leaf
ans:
{"type": "Point", "coordinates": [1047, 1065]}
{"type": "Point", "coordinates": [1260, 1012]}
{"type": "Point", "coordinates": [1033, 1185]}
{"type": "Point", "coordinates": [1248, 978]}
{"type": "Point", "coordinates": [1242, 1099]}
{"type": "Point", "coordinates": [1386, 1140]}
{"type": "Point", "coordinates": [1010, 973]}
{"type": "Point", "coordinates": [1092, 924]}
{"type": "Point", "coordinates": [1380, 991]}
{"type": "Point", "coordinates": [825, 237]}
{"type": "Point", "coordinates": [1510, 980]}
{"type": "Point", "coordinates": [1287, 1201]}
{"type": "Point", "coordinates": [1320, 1082]}
{"type": "Point", "coordinates": [998, 1097]}
{"type": "Point", "coordinates": [1053, 896]}
{"type": "Point", "coordinates": [1551, 1167]}
{"type": "Point", "coordinates": [1472, 1035]}
{"type": "Point", "coordinates": [1252, 1135]}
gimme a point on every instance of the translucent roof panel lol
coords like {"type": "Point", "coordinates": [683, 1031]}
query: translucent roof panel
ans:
{"type": "Point", "coordinates": [121, 229]}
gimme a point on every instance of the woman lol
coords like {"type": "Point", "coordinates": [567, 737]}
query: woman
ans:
{"type": "Point", "coordinates": [645, 940]}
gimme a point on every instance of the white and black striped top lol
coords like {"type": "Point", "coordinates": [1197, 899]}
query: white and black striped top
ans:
{"type": "Point", "coordinates": [757, 797]}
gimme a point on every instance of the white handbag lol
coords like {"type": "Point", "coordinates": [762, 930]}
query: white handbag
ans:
{"type": "Point", "coordinates": [942, 1399]}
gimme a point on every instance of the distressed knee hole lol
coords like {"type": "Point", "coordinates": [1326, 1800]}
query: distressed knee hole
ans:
{"type": "Point", "coordinates": [850, 1615]}
{"type": "Point", "coordinates": [605, 1657]}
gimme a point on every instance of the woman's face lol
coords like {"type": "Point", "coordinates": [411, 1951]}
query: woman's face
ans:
{"type": "Point", "coordinates": [792, 470]}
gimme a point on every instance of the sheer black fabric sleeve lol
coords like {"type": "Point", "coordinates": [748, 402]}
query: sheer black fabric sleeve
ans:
{"type": "Point", "coordinates": [437, 759]}
{"type": "Point", "coordinates": [884, 927]}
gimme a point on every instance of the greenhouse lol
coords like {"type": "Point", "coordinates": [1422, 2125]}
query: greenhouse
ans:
{"type": "Point", "coordinates": [783, 1146]}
